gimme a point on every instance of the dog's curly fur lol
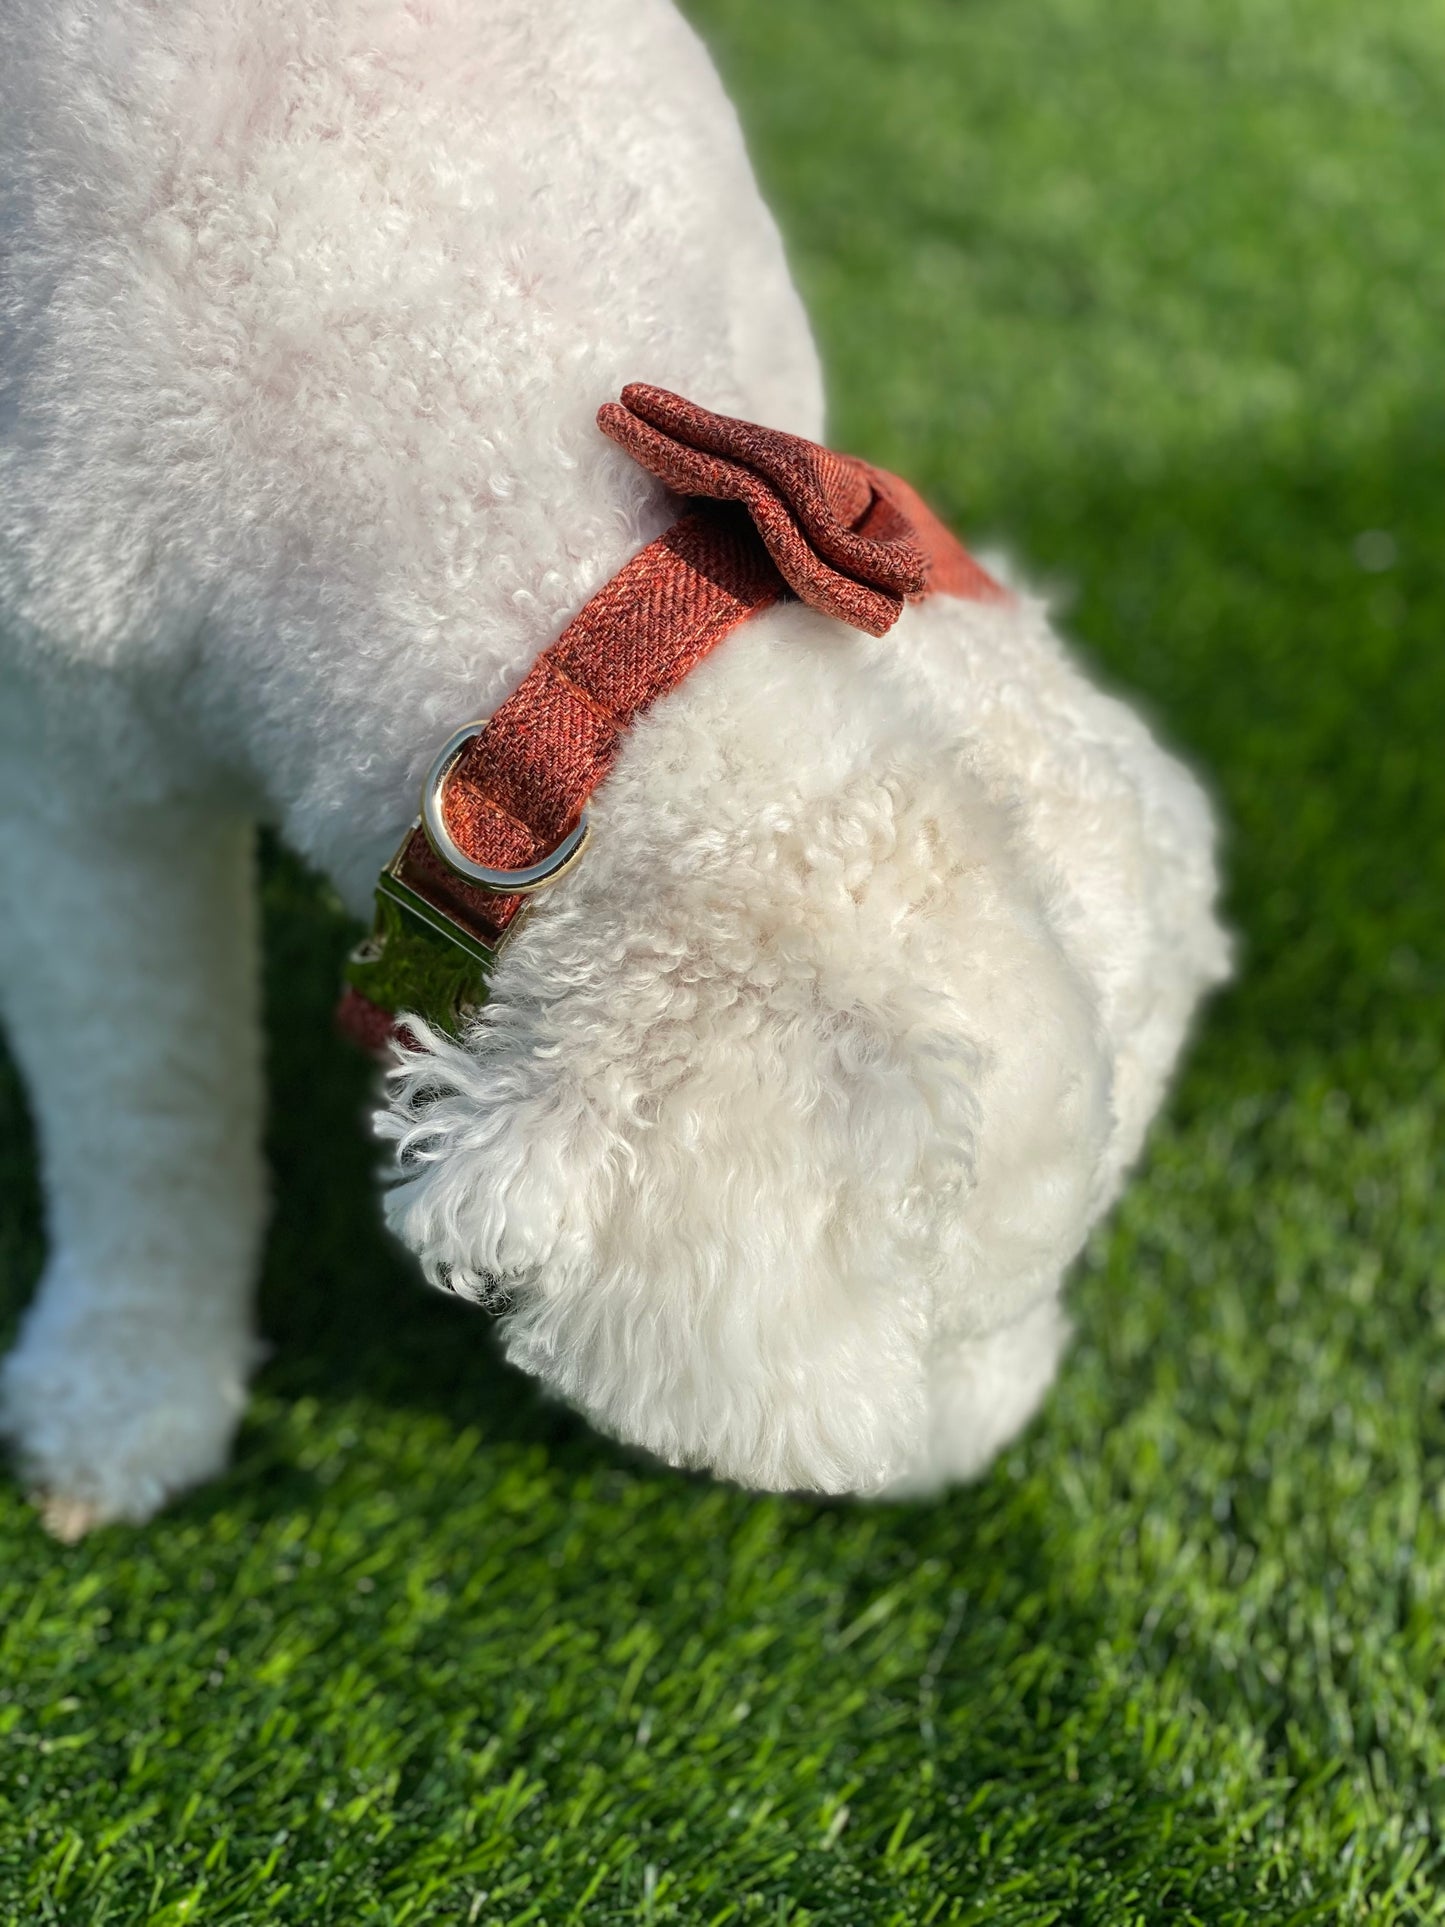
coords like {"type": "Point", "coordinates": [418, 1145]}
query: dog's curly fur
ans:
{"type": "Point", "coordinates": [792, 1105]}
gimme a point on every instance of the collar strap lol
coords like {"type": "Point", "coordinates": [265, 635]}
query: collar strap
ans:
{"type": "Point", "coordinates": [773, 516]}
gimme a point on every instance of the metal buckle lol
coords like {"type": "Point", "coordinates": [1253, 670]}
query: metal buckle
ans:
{"type": "Point", "coordinates": [501, 883]}
{"type": "Point", "coordinates": [420, 956]}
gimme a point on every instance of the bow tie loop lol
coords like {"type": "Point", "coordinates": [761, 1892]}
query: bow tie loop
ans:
{"type": "Point", "coordinates": [849, 539]}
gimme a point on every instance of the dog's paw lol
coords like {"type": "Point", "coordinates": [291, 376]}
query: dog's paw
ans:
{"type": "Point", "coordinates": [110, 1415]}
{"type": "Point", "coordinates": [67, 1520]}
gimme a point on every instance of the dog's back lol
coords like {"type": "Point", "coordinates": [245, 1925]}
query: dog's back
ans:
{"type": "Point", "coordinates": [307, 309]}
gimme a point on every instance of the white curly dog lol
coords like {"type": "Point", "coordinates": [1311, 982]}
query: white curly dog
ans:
{"type": "Point", "coordinates": [795, 1101]}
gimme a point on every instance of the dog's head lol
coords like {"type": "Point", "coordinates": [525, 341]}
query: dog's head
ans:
{"type": "Point", "coordinates": [790, 1079]}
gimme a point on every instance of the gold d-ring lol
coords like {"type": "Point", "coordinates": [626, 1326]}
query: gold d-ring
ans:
{"type": "Point", "coordinates": [502, 883]}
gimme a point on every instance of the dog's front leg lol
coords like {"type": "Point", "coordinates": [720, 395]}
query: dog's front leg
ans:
{"type": "Point", "coordinates": [128, 984]}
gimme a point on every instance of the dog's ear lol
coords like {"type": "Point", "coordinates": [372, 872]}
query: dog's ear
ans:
{"type": "Point", "coordinates": [736, 1143]}
{"type": "Point", "coordinates": [720, 1263]}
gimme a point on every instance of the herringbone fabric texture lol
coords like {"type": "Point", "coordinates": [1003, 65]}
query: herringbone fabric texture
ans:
{"type": "Point", "coordinates": [851, 540]}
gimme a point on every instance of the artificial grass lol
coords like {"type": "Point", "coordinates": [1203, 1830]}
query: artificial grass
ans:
{"type": "Point", "coordinates": [1153, 288]}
